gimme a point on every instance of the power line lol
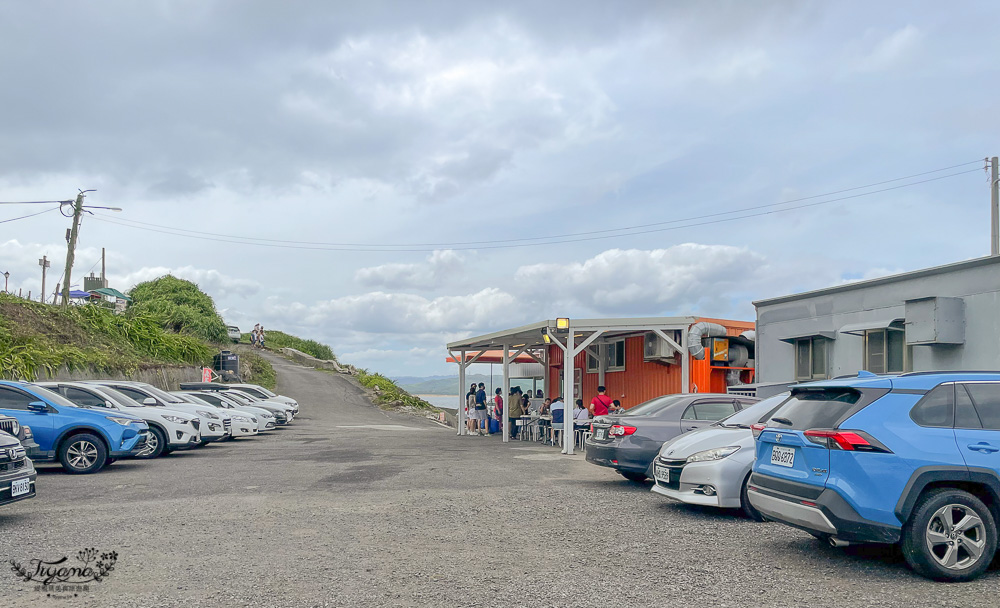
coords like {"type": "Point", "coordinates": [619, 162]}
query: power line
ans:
{"type": "Point", "coordinates": [710, 219]}
{"type": "Point", "coordinates": [34, 202]}
{"type": "Point", "coordinates": [481, 244]}
{"type": "Point", "coordinates": [14, 219]}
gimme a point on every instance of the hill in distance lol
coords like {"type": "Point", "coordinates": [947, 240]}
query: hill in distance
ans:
{"type": "Point", "coordinates": [448, 385]}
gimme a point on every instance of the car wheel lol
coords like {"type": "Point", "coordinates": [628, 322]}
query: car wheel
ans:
{"type": "Point", "coordinates": [745, 506]}
{"type": "Point", "coordinates": [156, 441]}
{"type": "Point", "coordinates": [203, 443]}
{"type": "Point", "coordinates": [83, 453]}
{"type": "Point", "coordinates": [636, 477]}
{"type": "Point", "coordinates": [951, 536]}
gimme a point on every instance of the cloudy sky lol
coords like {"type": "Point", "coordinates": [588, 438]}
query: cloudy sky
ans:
{"type": "Point", "coordinates": [387, 176]}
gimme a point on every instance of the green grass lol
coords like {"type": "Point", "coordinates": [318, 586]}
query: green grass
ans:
{"type": "Point", "coordinates": [38, 339]}
{"type": "Point", "coordinates": [257, 369]}
{"type": "Point", "coordinates": [389, 392]}
{"type": "Point", "coordinates": [275, 340]}
{"type": "Point", "coordinates": [180, 307]}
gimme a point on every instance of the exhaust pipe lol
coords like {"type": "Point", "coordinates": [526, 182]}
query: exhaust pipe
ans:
{"type": "Point", "coordinates": [836, 542]}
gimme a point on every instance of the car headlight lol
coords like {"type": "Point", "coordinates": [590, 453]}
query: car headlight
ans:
{"type": "Point", "coordinates": [240, 419]}
{"type": "Point", "coordinates": [175, 419]}
{"type": "Point", "coordinates": [713, 454]}
{"type": "Point", "coordinates": [120, 420]}
{"type": "Point", "coordinates": [207, 414]}
{"type": "Point", "coordinates": [15, 428]}
{"type": "Point", "coordinates": [266, 416]}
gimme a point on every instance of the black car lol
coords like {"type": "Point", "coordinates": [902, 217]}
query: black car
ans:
{"type": "Point", "coordinates": [630, 441]}
{"type": "Point", "coordinates": [17, 474]}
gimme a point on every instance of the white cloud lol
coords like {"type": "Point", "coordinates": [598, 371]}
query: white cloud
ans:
{"type": "Point", "coordinates": [213, 282]}
{"type": "Point", "coordinates": [890, 51]}
{"type": "Point", "coordinates": [676, 279]}
{"type": "Point", "coordinates": [436, 270]}
{"type": "Point", "coordinates": [399, 313]}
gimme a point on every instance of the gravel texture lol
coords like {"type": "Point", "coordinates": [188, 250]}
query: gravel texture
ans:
{"type": "Point", "coordinates": [401, 512]}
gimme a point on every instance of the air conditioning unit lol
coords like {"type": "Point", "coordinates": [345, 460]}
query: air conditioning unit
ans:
{"type": "Point", "coordinates": [655, 348]}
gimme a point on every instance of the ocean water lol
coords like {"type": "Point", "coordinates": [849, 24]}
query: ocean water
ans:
{"type": "Point", "coordinates": [446, 401]}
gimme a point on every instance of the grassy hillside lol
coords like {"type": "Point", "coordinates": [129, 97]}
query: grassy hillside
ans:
{"type": "Point", "coordinates": [171, 322]}
{"type": "Point", "coordinates": [275, 340]}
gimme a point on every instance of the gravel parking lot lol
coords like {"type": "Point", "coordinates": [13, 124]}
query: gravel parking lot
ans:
{"type": "Point", "coordinates": [351, 506]}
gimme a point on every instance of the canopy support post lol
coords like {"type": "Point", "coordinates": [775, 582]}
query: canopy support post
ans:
{"type": "Point", "coordinates": [505, 418]}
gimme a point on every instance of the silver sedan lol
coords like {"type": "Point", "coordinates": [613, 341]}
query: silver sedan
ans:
{"type": "Point", "coordinates": [711, 466]}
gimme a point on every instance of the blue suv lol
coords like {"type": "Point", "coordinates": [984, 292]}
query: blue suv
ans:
{"type": "Point", "coordinates": [82, 440]}
{"type": "Point", "coordinates": [911, 459]}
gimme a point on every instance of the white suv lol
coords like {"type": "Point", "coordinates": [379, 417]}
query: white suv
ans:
{"type": "Point", "coordinates": [258, 391]}
{"type": "Point", "coordinates": [168, 429]}
{"type": "Point", "coordinates": [242, 429]}
{"type": "Point", "coordinates": [186, 429]}
{"type": "Point", "coordinates": [262, 418]}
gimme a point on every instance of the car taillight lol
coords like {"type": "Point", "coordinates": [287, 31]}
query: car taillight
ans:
{"type": "Point", "coordinates": [851, 441]}
{"type": "Point", "coordinates": [622, 430]}
{"type": "Point", "coordinates": [757, 429]}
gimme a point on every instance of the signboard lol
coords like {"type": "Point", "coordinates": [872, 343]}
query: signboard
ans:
{"type": "Point", "coordinates": [206, 374]}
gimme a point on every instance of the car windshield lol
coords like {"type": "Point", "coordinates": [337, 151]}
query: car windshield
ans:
{"type": "Point", "coordinates": [234, 396]}
{"type": "Point", "coordinates": [120, 397]}
{"type": "Point", "coordinates": [253, 392]}
{"type": "Point", "coordinates": [814, 408]}
{"type": "Point", "coordinates": [52, 397]}
{"type": "Point", "coordinates": [196, 399]}
{"type": "Point", "coordinates": [755, 413]}
{"type": "Point", "coordinates": [654, 406]}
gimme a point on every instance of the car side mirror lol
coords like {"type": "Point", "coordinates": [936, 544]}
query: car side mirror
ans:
{"type": "Point", "coordinates": [38, 406]}
{"type": "Point", "coordinates": [109, 405]}
{"type": "Point", "coordinates": [149, 401]}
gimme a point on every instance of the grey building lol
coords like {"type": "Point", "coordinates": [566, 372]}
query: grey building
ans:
{"type": "Point", "coordinates": [942, 318]}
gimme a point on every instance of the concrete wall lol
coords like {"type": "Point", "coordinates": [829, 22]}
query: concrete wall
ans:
{"type": "Point", "coordinates": [976, 282]}
{"type": "Point", "coordinates": [166, 378]}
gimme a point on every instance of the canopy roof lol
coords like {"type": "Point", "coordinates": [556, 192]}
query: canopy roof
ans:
{"type": "Point", "coordinates": [529, 336]}
{"type": "Point", "coordinates": [493, 356]}
{"type": "Point", "coordinates": [112, 292]}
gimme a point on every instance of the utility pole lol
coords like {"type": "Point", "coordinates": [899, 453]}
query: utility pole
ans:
{"type": "Point", "coordinates": [104, 278]}
{"type": "Point", "coordinates": [44, 263]}
{"type": "Point", "coordinates": [994, 209]}
{"type": "Point", "coordinates": [71, 249]}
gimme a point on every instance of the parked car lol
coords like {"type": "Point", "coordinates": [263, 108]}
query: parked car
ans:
{"type": "Point", "coordinates": [711, 466]}
{"type": "Point", "coordinates": [168, 429]}
{"type": "Point", "coordinates": [234, 333]}
{"type": "Point", "coordinates": [629, 442]}
{"type": "Point", "coordinates": [239, 430]}
{"type": "Point", "coordinates": [283, 413]}
{"type": "Point", "coordinates": [911, 458]}
{"type": "Point", "coordinates": [82, 440]}
{"type": "Point", "coordinates": [23, 433]}
{"type": "Point", "coordinates": [263, 419]}
{"type": "Point", "coordinates": [255, 390]}
{"type": "Point", "coordinates": [17, 474]}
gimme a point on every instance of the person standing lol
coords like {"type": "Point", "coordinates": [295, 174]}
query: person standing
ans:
{"type": "Point", "coordinates": [470, 410]}
{"type": "Point", "coordinates": [498, 407]}
{"type": "Point", "coordinates": [481, 407]}
{"type": "Point", "coordinates": [516, 411]}
{"type": "Point", "coordinates": [599, 405]}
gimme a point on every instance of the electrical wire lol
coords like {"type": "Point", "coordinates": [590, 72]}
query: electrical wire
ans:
{"type": "Point", "coordinates": [480, 244]}
{"type": "Point", "coordinates": [34, 202]}
{"type": "Point", "coordinates": [23, 217]}
{"type": "Point", "coordinates": [710, 219]}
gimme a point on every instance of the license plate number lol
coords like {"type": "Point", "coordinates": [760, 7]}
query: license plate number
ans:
{"type": "Point", "coordinates": [600, 433]}
{"type": "Point", "coordinates": [662, 474]}
{"type": "Point", "coordinates": [19, 487]}
{"type": "Point", "coordinates": [783, 457]}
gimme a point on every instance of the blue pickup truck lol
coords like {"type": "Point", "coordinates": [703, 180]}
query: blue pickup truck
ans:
{"type": "Point", "coordinates": [82, 440]}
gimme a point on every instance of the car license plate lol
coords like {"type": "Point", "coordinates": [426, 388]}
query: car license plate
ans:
{"type": "Point", "coordinates": [19, 487]}
{"type": "Point", "coordinates": [661, 474]}
{"type": "Point", "coordinates": [600, 434]}
{"type": "Point", "coordinates": [783, 457]}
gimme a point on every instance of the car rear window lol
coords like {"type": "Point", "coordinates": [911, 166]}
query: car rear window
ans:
{"type": "Point", "coordinates": [654, 406]}
{"type": "Point", "coordinates": [814, 408]}
{"type": "Point", "coordinates": [752, 414]}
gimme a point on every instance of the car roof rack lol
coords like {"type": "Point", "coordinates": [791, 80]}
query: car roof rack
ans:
{"type": "Point", "coordinates": [203, 386]}
{"type": "Point", "coordinates": [949, 371]}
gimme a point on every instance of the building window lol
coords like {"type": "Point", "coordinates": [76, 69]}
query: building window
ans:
{"type": "Point", "coordinates": [811, 358]}
{"type": "Point", "coordinates": [616, 356]}
{"type": "Point", "coordinates": [592, 367]}
{"type": "Point", "coordinates": [886, 351]}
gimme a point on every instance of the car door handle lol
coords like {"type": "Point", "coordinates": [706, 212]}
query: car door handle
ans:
{"type": "Point", "coordinates": [690, 428]}
{"type": "Point", "coordinates": [983, 447]}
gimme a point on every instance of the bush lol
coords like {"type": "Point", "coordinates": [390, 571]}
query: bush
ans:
{"type": "Point", "coordinates": [179, 306]}
{"type": "Point", "coordinates": [389, 393]}
{"type": "Point", "coordinates": [278, 339]}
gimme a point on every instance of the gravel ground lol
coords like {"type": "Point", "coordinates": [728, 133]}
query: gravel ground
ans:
{"type": "Point", "coordinates": [351, 506]}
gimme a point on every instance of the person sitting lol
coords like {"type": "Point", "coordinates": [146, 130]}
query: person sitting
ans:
{"type": "Point", "coordinates": [557, 408]}
{"type": "Point", "coordinates": [538, 394]}
{"type": "Point", "coordinates": [580, 413]}
{"type": "Point", "coordinates": [616, 407]}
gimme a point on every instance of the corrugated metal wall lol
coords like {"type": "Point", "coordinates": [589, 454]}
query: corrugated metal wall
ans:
{"type": "Point", "coordinates": [645, 380]}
